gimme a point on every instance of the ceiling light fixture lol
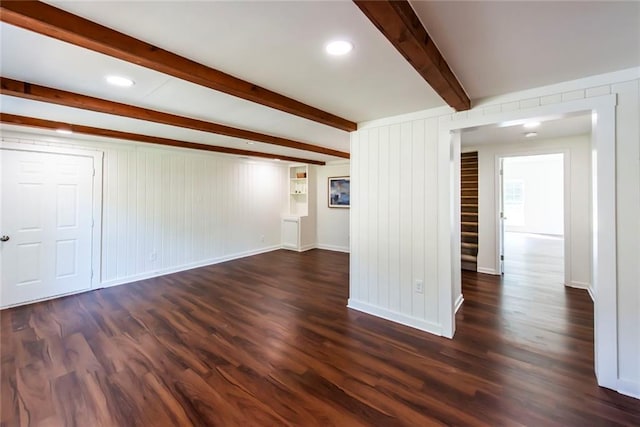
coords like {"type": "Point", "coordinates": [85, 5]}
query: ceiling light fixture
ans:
{"type": "Point", "coordinates": [119, 81]}
{"type": "Point", "coordinates": [339, 47]}
{"type": "Point", "coordinates": [277, 160]}
{"type": "Point", "coordinates": [64, 131]}
{"type": "Point", "coordinates": [250, 143]}
{"type": "Point", "coordinates": [530, 134]}
{"type": "Point", "coordinates": [531, 125]}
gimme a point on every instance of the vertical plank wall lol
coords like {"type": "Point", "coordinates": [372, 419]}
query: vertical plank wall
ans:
{"type": "Point", "coordinates": [394, 209]}
{"type": "Point", "coordinates": [167, 209]}
{"type": "Point", "coordinates": [394, 222]}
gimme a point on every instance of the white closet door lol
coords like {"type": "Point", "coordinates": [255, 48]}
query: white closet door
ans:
{"type": "Point", "coordinates": [45, 225]}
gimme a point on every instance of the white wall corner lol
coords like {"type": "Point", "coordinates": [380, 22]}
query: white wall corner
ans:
{"type": "Point", "coordinates": [414, 322]}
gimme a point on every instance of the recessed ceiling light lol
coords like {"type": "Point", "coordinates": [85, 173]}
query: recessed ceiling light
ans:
{"type": "Point", "coordinates": [64, 131]}
{"type": "Point", "coordinates": [119, 81]}
{"type": "Point", "coordinates": [277, 160]}
{"type": "Point", "coordinates": [250, 143]}
{"type": "Point", "coordinates": [531, 125]}
{"type": "Point", "coordinates": [530, 134]}
{"type": "Point", "coordinates": [339, 47]}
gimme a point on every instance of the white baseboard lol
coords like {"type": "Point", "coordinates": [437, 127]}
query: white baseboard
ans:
{"type": "Point", "coordinates": [414, 322]}
{"type": "Point", "coordinates": [458, 304]}
{"type": "Point", "coordinates": [190, 266]}
{"type": "Point", "coordinates": [582, 285]}
{"type": "Point", "coordinates": [579, 285]}
{"type": "Point", "coordinates": [484, 270]}
{"type": "Point", "coordinates": [629, 388]}
{"type": "Point", "coordinates": [307, 247]}
{"type": "Point", "coordinates": [333, 248]}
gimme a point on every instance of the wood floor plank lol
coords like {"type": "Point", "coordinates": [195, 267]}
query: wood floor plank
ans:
{"type": "Point", "coordinates": [268, 340]}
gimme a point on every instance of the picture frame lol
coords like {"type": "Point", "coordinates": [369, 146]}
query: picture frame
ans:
{"type": "Point", "coordinates": [339, 192]}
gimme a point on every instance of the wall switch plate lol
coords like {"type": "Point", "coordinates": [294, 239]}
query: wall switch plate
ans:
{"type": "Point", "coordinates": [419, 286]}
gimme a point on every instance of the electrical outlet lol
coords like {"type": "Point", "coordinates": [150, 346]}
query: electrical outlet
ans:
{"type": "Point", "coordinates": [419, 286]}
{"type": "Point", "coordinates": [153, 256]}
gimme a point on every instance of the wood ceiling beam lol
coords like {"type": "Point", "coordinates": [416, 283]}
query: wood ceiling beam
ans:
{"type": "Point", "coordinates": [69, 99]}
{"type": "Point", "coordinates": [107, 133]}
{"type": "Point", "coordinates": [397, 21]}
{"type": "Point", "coordinates": [59, 24]}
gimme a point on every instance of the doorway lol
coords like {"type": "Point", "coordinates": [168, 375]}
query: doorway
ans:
{"type": "Point", "coordinates": [49, 222]}
{"type": "Point", "coordinates": [532, 217]}
{"type": "Point", "coordinates": [603, 242]}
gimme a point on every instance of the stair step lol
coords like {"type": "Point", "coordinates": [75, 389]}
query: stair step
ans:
{"type": "Point", "coordinates": [469, 266]}
{"type": "Point", "coordinates": [468, 223]}
{"type": "Point", "coordinates": [469, 245]}
{"type": "Point", "coordinates": [469, 258]}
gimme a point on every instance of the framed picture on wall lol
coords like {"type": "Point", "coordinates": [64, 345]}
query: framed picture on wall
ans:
{"type": "Point", "coordinates": [339, 193]}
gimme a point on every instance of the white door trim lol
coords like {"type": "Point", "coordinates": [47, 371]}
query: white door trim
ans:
{"type": "Point", "coordinates": [604, 274]}
{"type": "Point", "coordinates": [96, 233]}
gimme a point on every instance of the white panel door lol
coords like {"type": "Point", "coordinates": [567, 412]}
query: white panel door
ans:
{"type": "Point", "coordinates": [45, 225]}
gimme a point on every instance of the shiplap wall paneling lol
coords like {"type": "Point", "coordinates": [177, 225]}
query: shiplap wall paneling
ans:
{"type": "Point", "coordinates": [393, 221]}
{"type": "Point", "coordinates": [166, 209]}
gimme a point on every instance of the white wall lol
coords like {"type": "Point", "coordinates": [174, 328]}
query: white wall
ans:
{"type": "Point", "coordinates": [167, 209]}
{"type": "Point", "coordinates": [578, 152]}
{"type": "Point", "coordinates": [395, 210]}
{"type": "Point", "coordinates": [542, 210]}
{"type": "Point", "coordinates": [394, 221]}
{"type": "Point", "coordinates": [333, 223]}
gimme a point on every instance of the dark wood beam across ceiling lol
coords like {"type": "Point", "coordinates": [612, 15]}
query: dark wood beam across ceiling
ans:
{"type": "Point", "coordinates": [69, 99]}
{"type": "Point", "coordinates": [59, 24]}
{"type": "Point", "coordinates": [108, 133]}
{"type": "Point", "coordinates": [397, 21]}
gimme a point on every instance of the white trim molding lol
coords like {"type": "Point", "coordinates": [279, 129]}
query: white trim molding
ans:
{"type": "Point", "coordinates": [458, 303]}
{"type": "Point", "coordinates": [394, 316]}
{"type": "Point", "coordinates": [629, 388]}
{"type": "Point", "coordinates": [491, 271]}
{"type": "Point", "coordinates": [191, 266]}
{"type": "Point", "coordinates": [579, 285]}
{"type": "Point", "coordinates": [333, 248]}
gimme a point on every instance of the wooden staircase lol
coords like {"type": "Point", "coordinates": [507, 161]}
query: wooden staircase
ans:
{"type": "Point", "coordinates": [469, 210]}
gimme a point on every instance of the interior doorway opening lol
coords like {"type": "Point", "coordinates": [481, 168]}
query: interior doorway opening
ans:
{"type": "Point", "coordinates": [602, 245]}
{"type": "Point", "coordinates": [532, 214]}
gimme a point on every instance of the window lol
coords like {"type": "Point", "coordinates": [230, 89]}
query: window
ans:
{"type": "Point", "coordinates": [513, 192]}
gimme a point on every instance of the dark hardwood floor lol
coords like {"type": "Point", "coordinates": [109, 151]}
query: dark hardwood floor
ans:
{"type": "Point", "coordinates": [268, 341]}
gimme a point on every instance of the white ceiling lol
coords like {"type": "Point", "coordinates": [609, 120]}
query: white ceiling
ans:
{"type": "Point", "coordinates": [505, 133]}
{"type": "Point", "coordinates": [497, 47]}
{"type": "Point", "coordinates": [493, 48]}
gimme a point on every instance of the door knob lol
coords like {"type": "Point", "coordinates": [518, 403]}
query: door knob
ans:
{"type": "Point", "coordinates": [4, 238]}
